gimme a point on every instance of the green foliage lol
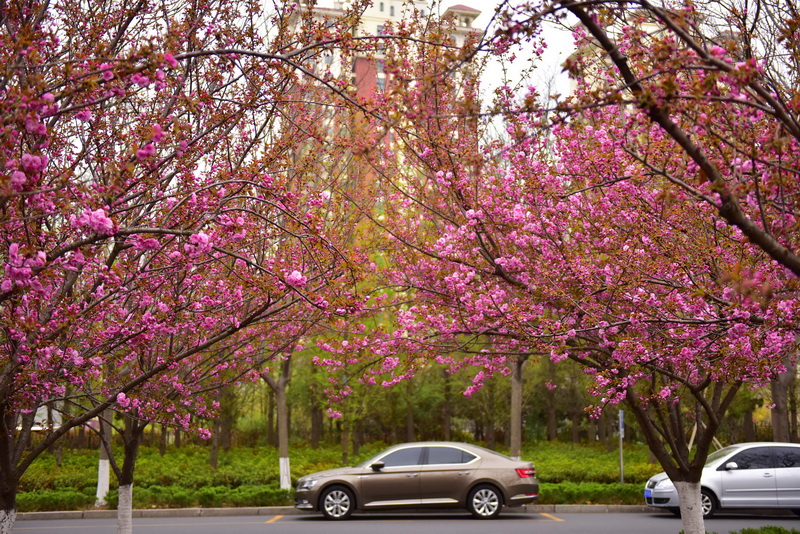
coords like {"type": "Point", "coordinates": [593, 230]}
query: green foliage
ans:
{"type": "Point", "coordinates": [560, 462]}
{"type": "Point", "coordinates": [50, 500]}
{"type": "Point", "coordinates": [769, 529]}
{"type": "Point", "coordinates": [589, 493]}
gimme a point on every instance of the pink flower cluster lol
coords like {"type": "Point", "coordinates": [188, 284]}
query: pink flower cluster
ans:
{"type": "Point", "coordinates": [97, 221]}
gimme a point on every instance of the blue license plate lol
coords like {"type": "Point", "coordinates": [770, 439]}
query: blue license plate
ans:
{"type": "Point", "coordinates": [648, 493]}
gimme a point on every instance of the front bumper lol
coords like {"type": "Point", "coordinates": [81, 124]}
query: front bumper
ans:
{"type": "Point", "coordinates": [667, 498]}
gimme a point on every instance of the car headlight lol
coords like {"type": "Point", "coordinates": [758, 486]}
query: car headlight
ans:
{"type": "Point", "coordinates": [305, 485]}
{"type": "Point", "coordinates": [664, 484]}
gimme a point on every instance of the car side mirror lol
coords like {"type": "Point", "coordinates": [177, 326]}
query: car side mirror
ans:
{"type": "Point", "coordinates": [377, 466]}
{"type": "Point", "coordinates": [730, 466]}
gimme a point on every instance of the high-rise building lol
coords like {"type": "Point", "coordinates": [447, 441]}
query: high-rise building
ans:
{"type": "Point", "coordinates": [367, 72]}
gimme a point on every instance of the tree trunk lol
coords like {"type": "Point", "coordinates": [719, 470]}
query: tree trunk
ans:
{"type": "Point", "coordinates": [345, 443]}
{"type": "Point", "coordinates": [515, 423]}
{"type": "Point", "coordinates": [691, 510]}
{"type": "Point", "coordinates": [317, 417]}
{"type": "Point", "coordinates": [103, 466]}
{"type": "Point", "coordinates": [279, 387]}
{"type": "Point", "coordinates": [125, 509]}
{"type": "Point", "coordinates": [132, 438]}
{"type": "Point", "coordinates": [162, 443]}
{"type": "Point", "coordinates": [793, 411]}
{"type": "Point", "coordinates": [576, 427]}
{"type": "Point", "coordinates": [447, 410]}
{"type": "Point", "coordinates": [213, 459]}
{"type": "Point", "coordinates": [780, 398]}
{"type": "Point", "coordinates": [271, 434]}
{"type": "Point", "coordinates": [748, 427]}
{"type": "Point", "coordinates": [410, 434]}
{"type": "Point", "coordinates": [602, 434]}
{"type": "Point", "coordinates": [8, 505]}
{"type": "Point", "coordinates": [550, 395]}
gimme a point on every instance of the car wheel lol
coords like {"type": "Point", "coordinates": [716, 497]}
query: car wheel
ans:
{"type": "Point", "coordinates": [675, 511]}
{"type": "Point", "coordinates": [796, 511]}
{"type": "Point", "coordinates": [708, 503]}
{"type": "Point", "coordinates": [485, 502]}
{"type": "Point", "coordinates": [337, 502]}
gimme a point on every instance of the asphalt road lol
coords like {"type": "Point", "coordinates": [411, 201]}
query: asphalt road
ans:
{"type": "Point", "coordinates": [508, 523]}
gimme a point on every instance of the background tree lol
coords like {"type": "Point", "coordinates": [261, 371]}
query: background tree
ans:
{"type": "Point", "coordinates": [150, 205]}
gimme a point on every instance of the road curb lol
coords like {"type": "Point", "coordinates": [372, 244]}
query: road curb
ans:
{"type": "Point", "coordinates": [290, 510]}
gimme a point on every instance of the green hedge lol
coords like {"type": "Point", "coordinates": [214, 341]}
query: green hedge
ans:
{"type": "Point", "coordinates": [590, 493]}
{"type": "Point", "coordinates": [568, 473]}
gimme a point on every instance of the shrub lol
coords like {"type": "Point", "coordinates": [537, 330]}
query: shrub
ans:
{"type": "Point", "coordinates": [589, 493]}
{"type": "Point", "coordinates": [47, 500]}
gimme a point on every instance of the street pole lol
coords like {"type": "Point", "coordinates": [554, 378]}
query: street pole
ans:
{"type": "Point", "coordinates": [621, 437]}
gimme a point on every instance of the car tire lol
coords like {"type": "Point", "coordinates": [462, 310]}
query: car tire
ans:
{"type": "Point", "coordinates": [675, 511]}
{"type": "Point", "coordinates": [485, 502]}
{"type": "Point", "coordinates": [708, 502]}
{"type": "Point", "coordinates": [796, 511]}
{"type": "Point", "coordinates": [337, 503]}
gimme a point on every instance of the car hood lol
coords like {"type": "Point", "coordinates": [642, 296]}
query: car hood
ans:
{"type": "Point", "coordinates": [658, 477]}
{"type": "Point", "coordinates": [333, 472]}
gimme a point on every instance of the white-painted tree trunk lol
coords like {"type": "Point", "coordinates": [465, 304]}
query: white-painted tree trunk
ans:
{"type": "Point", "coordinates": [691, 509]}
{"type": "Point", "coordinates": [125, 510]}
{"type": "Point", "coordinates": [103, 481]}
{"type": "Point", "coordinates": [7, 518]}
{"type": "Point", "coordinates": [286, 477]}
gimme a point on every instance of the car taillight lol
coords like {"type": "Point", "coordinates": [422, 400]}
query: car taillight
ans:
{"type": "Point", "coordinates": [526, 472]}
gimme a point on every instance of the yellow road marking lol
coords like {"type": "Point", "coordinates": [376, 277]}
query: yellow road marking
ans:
{"type": "Point", "coordinates": [554, 518]}
{"type": "Point", "coordinates": [274, 519]}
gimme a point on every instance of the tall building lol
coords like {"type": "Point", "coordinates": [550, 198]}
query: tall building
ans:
{"type": "Point", "coordinates": [367, 73]}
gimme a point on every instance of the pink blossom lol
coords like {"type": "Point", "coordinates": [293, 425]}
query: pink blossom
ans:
{"type": "Point", "coordinates": [84, 115]}
{"type": "Point", "coordinates": [170, 60]}
{"type": "Point", "coordinates": [123, 400]}
{"type": "Point", "coordinates": [296, 279]}
{"type": "Point", "coordinates": [33, 164]}
{"type": "Point", "coordinates": [158, 133]}
{"type": "Point", "coordinates": [97, 221]}
{"type": "Point", "coordinates": [18, 179]}
{"type": "Point", "coordinates": [717, 51]}
{"type": "Point", "coordinates": [108, 74]}
{"type": "Point", "coordinates": [146, 151]}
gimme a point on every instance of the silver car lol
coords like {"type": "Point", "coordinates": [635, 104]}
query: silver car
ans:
{"type": "Point", "coordinates": [747, 475]}
{"type": "Point", "coordinates": [426, 475]}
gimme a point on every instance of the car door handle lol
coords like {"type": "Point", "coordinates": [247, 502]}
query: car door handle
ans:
{"type": "Point", "coordinates": [767, 475]}
{"type": "Point", "coordinates": [465, 473]}
{"type": "Point", "coordinates": [412, 475]}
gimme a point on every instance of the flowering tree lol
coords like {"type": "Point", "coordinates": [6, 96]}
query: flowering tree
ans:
{"type": "Point", "coordinates": [156, 201]}
{"type": "Point", "coordinates": [648, 234]}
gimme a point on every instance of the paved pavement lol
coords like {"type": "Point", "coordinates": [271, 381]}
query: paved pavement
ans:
{"type": "Point", "coordinates": [290, 510]}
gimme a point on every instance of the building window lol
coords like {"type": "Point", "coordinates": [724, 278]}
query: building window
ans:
{"type": "Point", "coordinates": [381, 6]}
{"type": "Point", "coordinates": [391, 11]}
{"type": "Point", "coordinates": [329, 59]}
{"type": "Point", "coordinates": [381, 83]}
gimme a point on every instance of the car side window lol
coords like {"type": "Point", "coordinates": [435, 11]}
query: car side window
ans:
{"type": "Point", "coordinates": [448, 455]}
{"type": "Point", "coordinates": [787, 457]}
{"type": "Point", "coordinates": [758, 458]}
{"type": "Point", "coordinates": [409, 456]}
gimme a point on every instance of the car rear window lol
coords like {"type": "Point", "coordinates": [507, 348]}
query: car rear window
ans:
{"type": "Point", "coordinates": [448, 455]}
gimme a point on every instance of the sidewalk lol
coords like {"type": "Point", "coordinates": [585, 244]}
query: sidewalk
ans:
{"type": "Point", "coordinates": [290, 510]}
